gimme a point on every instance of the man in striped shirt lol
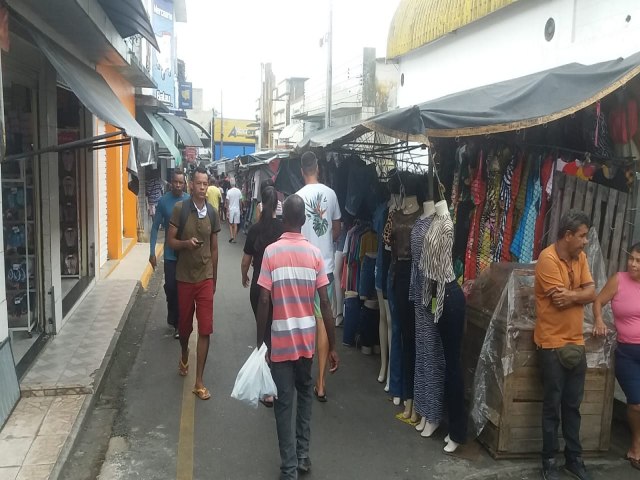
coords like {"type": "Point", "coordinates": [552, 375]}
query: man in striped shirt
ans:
{"type": "Point", "coordinates": [292, 271]}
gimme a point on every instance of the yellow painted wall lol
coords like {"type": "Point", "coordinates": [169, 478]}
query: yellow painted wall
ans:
{"type": "Point", "coordinates": [122, 211]}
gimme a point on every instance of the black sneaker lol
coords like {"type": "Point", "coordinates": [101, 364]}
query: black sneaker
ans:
{"type": "Point", "coordinates": [550, 469]}
{"type": "Point", "coordinates": [176, 334]}
{"type": "Point", "coordinates": [304, 465]}
{"type": "Point", "coordinates": [576, 469]}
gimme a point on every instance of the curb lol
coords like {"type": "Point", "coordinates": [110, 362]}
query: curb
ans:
{"type": "Point", "coordinates": [148, 271]}
{"type": "Point", "coordinates": [90, 399]}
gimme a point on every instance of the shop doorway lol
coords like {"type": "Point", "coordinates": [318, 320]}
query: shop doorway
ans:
{"type": "Point", "coordinates": [20, 210]}
{"type": "Point", "coordinates": [74, 123]}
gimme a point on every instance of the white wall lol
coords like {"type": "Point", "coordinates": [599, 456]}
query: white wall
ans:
{"type": "Point", "coordinates": [101, 192]}
{"type": "Point", "coordinates": [510, 43]}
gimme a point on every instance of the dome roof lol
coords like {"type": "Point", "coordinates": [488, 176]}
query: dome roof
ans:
{"type": "Point", "coordinates": [418, 22]}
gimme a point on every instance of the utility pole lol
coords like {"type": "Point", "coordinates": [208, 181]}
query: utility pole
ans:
{"type": "Point", "coordinates": [221, 128]}
{"type": "Point", "coordinates": [213, 143]}
{"type": "Point", "coordinates": [327, 113]}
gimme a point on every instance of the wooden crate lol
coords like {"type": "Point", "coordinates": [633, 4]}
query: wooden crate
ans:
{"type": "Point", "coordinates": [515, 415]}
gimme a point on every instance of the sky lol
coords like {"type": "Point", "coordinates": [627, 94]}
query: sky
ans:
{"type": "Point", "coordinates": [224, 43]}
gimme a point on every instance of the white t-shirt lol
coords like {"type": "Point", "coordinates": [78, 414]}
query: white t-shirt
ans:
{"type": "Point", "coordinates": [321, 209]}
{"type": "Point", "coordinates": [233, 198]}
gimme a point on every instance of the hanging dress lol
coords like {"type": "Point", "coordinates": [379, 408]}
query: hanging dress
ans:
{"type": "Point", "coordinates": [478, 194]}
{"type": "Point", "coordinates": [489, 220]}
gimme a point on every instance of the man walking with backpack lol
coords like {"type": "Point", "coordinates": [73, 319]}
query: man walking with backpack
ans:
{"type": "Point", "coordinates": [193, 233]}
{"type": "Point", "coordinates": [162, 217]}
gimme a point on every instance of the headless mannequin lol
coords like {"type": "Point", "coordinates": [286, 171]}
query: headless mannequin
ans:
{"type": "Point", "coordinates": [428, 428]}
{"type": "Point", "coordinates": [385, 318]}
{"type": "Point", "coordinates": [429, 208]}
{"type": "Point", "coordinates": [441, 209]}
{"type": "Point", "coordinates": [410, 205]}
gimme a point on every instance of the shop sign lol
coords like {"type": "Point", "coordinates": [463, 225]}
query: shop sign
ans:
{"type": "Point", "coordinates": [163, 67]}
{"type": "Point", "coordinates": [190, 154]}
{"type": "Point", "coordinates": [186, 96]}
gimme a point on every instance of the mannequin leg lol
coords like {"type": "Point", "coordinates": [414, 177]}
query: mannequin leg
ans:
{"type": "Point", "coordinates": [337, 300]}
{"type": "Point", "coordinates": [395, 346]}
{"type": "Point", "coordinates": [388, 314]}
{"type": "Point", "coordinates": [384, 341]}
{"type": "Point", "coordinates": [408, 409]}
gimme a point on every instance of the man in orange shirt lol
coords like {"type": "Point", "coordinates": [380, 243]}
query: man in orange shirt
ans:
{"type": "Point", "coordinates": [563, 285]}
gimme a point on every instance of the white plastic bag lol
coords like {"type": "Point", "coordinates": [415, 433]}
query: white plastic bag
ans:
{"type": "Point", "coordinates": [254, 379]}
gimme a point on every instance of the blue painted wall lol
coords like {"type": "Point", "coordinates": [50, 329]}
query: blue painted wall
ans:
{"type": "Point", "coordinates": [232, 150]}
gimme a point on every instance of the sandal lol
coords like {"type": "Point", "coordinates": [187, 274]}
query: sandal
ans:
{"type": "Point", "coordinates": [183, 368]}
{"type": "Point", "coordinates": [202, 393]}
{"type": "Point", "coordinates": [321, 398]}
{"type": "Point", "coordinates": [635, 462]}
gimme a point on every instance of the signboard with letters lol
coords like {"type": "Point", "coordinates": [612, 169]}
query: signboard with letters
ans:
{"type": "Point", "coordinates": [164, 62]}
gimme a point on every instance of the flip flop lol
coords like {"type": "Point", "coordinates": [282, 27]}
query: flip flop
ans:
{"type": "Point", "coordinates": [321, 398]}
{"type": "Point", "coordinates": [635, 462]}
{"type": "Point", "coordinates": [183, 368]}
{"type": "Point", "coordinates": [202, 393]}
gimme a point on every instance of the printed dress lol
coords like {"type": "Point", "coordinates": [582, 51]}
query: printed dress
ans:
{"type": "Point", "coordinates": [428, 390]}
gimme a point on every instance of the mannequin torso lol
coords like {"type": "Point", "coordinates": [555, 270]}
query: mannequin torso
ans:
{"type": "Point", "coordinates": [428, 209]}
{"type": "Point", "coordinates": [410, 205]}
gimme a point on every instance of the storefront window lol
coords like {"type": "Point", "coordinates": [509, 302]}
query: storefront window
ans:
{"type": "Point", "coordinates": [74, 253]}
{"type": "Point", "coordinates": [18, 217]}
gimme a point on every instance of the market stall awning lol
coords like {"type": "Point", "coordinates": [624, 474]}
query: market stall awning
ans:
{"type": "Point", "coordinates": [184, 130]}
{"type": "Point", "coordinates": [130, 18]}
{"type": "Point", "coordinates": [523, 102]}
{"type": "Point", "coordinates": [339, 134]}
{"type": "Point", "coordinates": [91, 89]}
{"type": "Point", "coordinates": [291, 132]}
{"type": "Point", "coordinates": [164, 137]}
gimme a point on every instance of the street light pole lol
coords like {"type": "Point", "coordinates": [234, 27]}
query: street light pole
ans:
{"type": "Point", "coordinates": [221, 128]}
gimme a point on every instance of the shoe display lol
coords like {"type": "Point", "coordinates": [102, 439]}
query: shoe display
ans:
{"type": "Point", "coordinates": [304, 464]}
{"type": "Point", "coordinates": [550, 469]}
{"type": "Point", "coordinates": [577, 469]}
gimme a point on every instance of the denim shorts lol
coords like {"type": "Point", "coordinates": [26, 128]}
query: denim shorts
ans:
{"type": "Point", "coordinates": [367, 280]}
{"type": "Point", "coordinates": [628, 371]}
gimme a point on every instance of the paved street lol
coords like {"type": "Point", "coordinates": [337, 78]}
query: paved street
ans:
{"type": "Point", "coordinates": [159, 430]}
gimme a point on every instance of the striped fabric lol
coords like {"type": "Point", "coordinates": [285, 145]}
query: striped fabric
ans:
{"type": "Point", "coordinates": [292, 270]}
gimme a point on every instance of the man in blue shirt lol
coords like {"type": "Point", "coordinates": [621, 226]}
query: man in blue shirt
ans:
{"type": "Point", "coordinates": [162, 217]}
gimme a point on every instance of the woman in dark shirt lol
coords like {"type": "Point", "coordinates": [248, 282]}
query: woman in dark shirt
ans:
{"type": "Point", "coordinates": [260, 236]}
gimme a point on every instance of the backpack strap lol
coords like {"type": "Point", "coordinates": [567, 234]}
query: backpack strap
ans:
{"type": "Point", "coordinates": [184, 215]}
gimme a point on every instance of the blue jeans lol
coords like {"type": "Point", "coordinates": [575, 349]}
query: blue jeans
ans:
{"type": "Point", "coordinates": [395, 343]}
{"type": "Point", "coordinates": [563, 391]}
{"type": "Point", "coordinates": [405, 315]}
{"type": "Point", "coordinates": [451, 328]}
{"type": "Point", "coordinates": [290, 377]}
{"type": "Point", "coordinates": [367, 280]}
{"type": "Point", "coordinates": [171, 291]}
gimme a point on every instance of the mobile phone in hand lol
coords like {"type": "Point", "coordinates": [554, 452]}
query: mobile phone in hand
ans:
{"type": "Point", "coordinates": [199, 243]}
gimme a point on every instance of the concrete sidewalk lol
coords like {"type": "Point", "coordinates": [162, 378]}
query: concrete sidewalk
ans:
{"type": "Point", "coordinates": [59, 388]}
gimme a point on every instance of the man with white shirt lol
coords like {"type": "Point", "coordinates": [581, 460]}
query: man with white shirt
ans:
{"type": "Point", "coordinates": [322, 229]}
{"type": "Point", "coordinates": [234, 196]}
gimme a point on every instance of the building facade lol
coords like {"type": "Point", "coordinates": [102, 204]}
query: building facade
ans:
{"type": "Point", "coordinates": [69, 82]}
{"type": "Point", "coordinates": [435, 44]}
